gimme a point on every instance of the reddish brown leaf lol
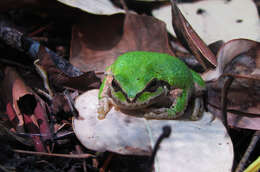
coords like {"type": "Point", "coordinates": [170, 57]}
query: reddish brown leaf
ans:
{"type": "Point", "coordinates": [42, 121]}
{"type": "Point", "coordinates": [27, 106]}
{"type": "Point", "coordinates": [94, 47]}
{"type": "Point", "coordinates": [33, 129]}
{"type": "Point", "coordinates": [11, 114]}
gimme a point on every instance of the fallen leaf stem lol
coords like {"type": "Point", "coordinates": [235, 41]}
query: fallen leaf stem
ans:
{"type": "Point", "coordinates": [78, 156]}
{"type": "Point", "coordinates": [224, 100]}
{"type": "Point", "coordinates": [165, 134]}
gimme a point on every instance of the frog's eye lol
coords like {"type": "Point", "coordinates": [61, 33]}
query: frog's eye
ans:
{"type": "Point", "coordinates": [115, 85]}
{"type": "Point", "coordinates": [152, 86]}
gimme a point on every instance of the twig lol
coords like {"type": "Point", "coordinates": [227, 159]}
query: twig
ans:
{"type": "Point", "coordinates": [39, 30]}
{"type": "Point", "coordinates": [249, 150]}
{"type": "Point", "coordinates": [78, 156]}
{"type": "Point", "coordinates": [224, 93]}
{"type": "Point", "coordinates": [237, 112]}
{"type": "Point", "coordinates": [79, 151]}
{"type": "Point", "coordinates": [43, 93]}
{"type": "Point", "coordinates": [4, 169]}
{"type": "Point", "coordinates": [107, 161]}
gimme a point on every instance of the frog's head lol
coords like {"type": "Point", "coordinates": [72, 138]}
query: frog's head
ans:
{"type": "Point", "coordinates": [136, 81]}
{"type": "Point", "coordinates": [136, 93]}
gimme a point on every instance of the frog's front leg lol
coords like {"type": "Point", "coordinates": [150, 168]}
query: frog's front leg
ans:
{"type": "Point", "coordinates": [104, 106]}
{"type": "Point", "coordinates": [105, 102]}
{"type": "Point", "coordinates": [176, 110]}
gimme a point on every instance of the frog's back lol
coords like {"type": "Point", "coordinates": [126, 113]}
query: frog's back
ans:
{"type": "Point", "coordinates": [137, 68]}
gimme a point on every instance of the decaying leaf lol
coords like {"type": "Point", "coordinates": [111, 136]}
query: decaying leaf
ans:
{"type": "Point", "coordinates": [239, 59]}
{"type": "Point", "coordinates": [126, 134]}
{"type": "Point", "coordinates": [96, 46]}
{"type": "Point", "coordinates": [101, 7]}
{"type": "Point", "coordinates": [217, 20]}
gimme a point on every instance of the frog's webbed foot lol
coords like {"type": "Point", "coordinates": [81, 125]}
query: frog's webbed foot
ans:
{"type": "Point", "coordinates": [104, 106]}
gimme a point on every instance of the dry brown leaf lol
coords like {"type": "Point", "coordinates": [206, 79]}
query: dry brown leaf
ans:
{"type": "Point", "coordinates": [94, 46]}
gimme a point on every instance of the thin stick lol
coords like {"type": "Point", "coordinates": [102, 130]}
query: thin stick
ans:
{"type": "Point", "coordinates": [237, 112]}
{"type": "Point", "coordinates": [80, 156]}
{"type": "Point", "coordinates": [165, 134]}
{"type": "Point", "coordinates": [106, 163]}
{"type": "Point", "coordinates": [2, 168]}
{"type": "Point", "coordinates": [79, 151]}
{"type": "Point", "coordinates": [224, 93]}
{"type": "Point", "coordinates": [249, 150]}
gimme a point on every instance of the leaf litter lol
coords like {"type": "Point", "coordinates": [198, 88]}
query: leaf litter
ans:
{"type": "Point", "coordinates": [93, 47]}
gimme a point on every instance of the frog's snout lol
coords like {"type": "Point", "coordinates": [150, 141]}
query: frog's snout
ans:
{"type": "Point", "coordinates": [131, 99]}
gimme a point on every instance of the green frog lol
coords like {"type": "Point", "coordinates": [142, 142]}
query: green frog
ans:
{"type": "Point", "coordinates": [138, 79]}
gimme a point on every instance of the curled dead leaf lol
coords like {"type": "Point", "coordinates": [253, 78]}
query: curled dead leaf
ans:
{"type": "Point", "coordinates": [239, 59]}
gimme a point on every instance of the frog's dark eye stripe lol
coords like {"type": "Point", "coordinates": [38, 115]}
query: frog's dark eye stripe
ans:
{"type": "Point", "coordinates": [152, 86]}
{"type": "Point", "coordinates": [115, 85]}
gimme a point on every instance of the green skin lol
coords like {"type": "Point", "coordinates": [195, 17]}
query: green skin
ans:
{"type": "Point", "coordinates": [139, 79]}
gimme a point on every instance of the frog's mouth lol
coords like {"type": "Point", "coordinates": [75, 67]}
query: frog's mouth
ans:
{"type": "Point", "coordinates": [133, 105]}
{"type": "Point", "coordinates": [157, 90]}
